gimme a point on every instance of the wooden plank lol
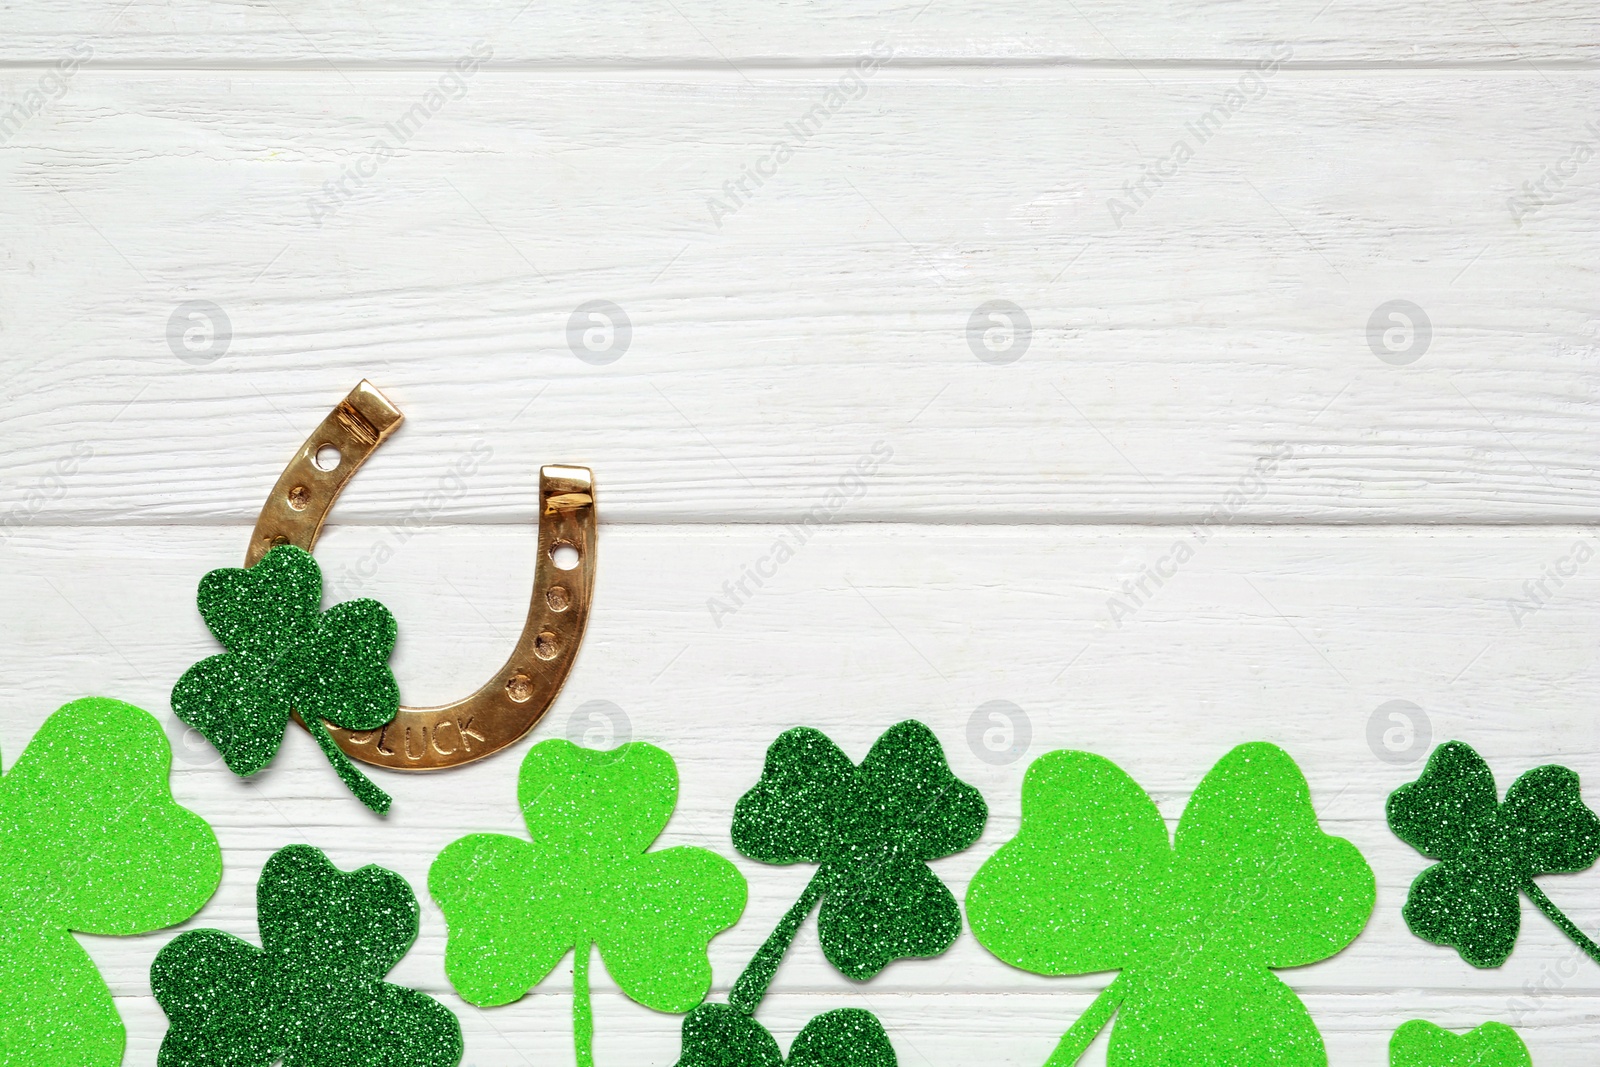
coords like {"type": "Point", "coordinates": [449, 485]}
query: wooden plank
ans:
{"type": "Point", "coordinates": [664, 32]}
{"type": "Point", "coordinates": [1012, 1029]}
{"type": "Point", "coordinates": [428, 196]}
{"type": "Point", "coordinates": [1297, 636]}
{"type": "Point", "coordinates": [825, 326]}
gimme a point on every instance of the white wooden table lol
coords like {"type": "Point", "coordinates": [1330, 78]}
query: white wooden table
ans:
{"type": "Point", "coordinates": [219, 217]}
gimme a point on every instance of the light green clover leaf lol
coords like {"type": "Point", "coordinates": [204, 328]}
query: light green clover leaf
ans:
{"type": "Point", "coordinates": [90, 840]}
{"type": "Point", "coordinates": [1419, 1043]}
{"type": "Point", "coordinates": [515, 908]}
{"type": "Point", "coordinates": [1195, 925]}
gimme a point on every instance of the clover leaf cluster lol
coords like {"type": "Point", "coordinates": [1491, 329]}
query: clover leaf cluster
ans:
{"type": "Point", "coordinates": [586, 878]}
{"type": "Point", "coordinates": [285, 656]}
{"type": "Point", "coordinates": [92, 841]}
{"type": "Point", "coordinates": [1490, 851]}
{"type": "Point", "coordinates": [314, 993]}
{"type": "Point", "coordinates": [1195, 925]}
{"type": "Point", "coordinates": [871, 830]}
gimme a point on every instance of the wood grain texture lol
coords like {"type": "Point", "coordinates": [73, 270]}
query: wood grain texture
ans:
{"type": "Point", "coordinates": [423, 195]}
{"type": "Point", "coordinates": [701, 32]}
{"type": "Point", "coordinates": [773, 348]}
{"type": "Point", "coordinates": [1296, 636]}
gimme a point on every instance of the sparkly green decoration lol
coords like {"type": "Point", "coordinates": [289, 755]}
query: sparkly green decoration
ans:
{"type": "Point", "coordinates": [1489, 851]}
{"type": "Point", "coordinates": [1195, 925]}
{"type": "Point", "coordinates": [871, 830]}
{"type": "Point", "coordinates": [314, 993]}
{"type": "Point", "coordinates": [1421, 1044]}
{"type": "Point", "coordinates": [516, 908]}
{"type": "Point", "coordinates": [287, 655]}
{"type": "Point", "coordinates": [90, 840]}
{"type": "Point", "coordinates": [716, 1035]}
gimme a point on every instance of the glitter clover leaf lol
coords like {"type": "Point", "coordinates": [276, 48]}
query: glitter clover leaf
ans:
{"type": "Point", "coordinates": [90, 840]}
{"type": "Point", "coordinates": [1489, 851]}
{"type": "Point", "coordinates": [717, 1035]}
{"type": "Point", "coordinates": [314, 993]}
{"type": "Point", "coordinates": [872, 830]}
{"type": "Point", "coordinates": [1195, 925]}
{"type": "Point", "coordinates": [285, 655]}
{"type": "Point", "coordinates": [516, 908]}
{"type": "Point", "coordinates": [1419, 1043]}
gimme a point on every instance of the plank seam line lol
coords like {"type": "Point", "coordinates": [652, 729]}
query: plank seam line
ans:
{"type": "Point", "coordinates": [722, 70]}
{"type": "Point", "coordinates": [1576, 527]}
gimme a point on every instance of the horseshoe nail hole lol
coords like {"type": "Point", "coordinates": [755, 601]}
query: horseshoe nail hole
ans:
{"type": "Point", "coordinates": [519, 687]}
{"type": "Point", "coordinates": [544, 646]}
{"type": "Point", "coordinates": [327, 457]}
{"type": "Point", "coordinates": [558, 598]}
{"type": "Point", "coordinates": [299, 497]}
{"type": "Point", "coordinates": [277, 541]}
{"type": "Point", "coordinates": [564, 556]}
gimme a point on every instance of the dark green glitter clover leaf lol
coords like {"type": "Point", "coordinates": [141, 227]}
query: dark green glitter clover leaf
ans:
{"type": "Point", "coordinates": [872, 830]}
{"type": "Point", "coordinates": [716, 1035]}
{"type": "Point", "coordinates": [314, 993]}
{"type": "Point", "coordinates": [90, 840]}
{"type": "Point", "coordinates": [1196, 924]}
{"type": "Point", "coordinates": [285, 655]}
{"type": "Point", "coordinates": [1489, 851]}
{"type": "Point", "coordinates": [515, 908]}
{"type": "Point", "coordinates": [1419, 1043]}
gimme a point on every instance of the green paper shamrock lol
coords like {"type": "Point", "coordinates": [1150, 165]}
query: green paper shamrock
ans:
{"type": "Point", "coordinates": [1419, 1043]}
{"type": "Point", "coordinates": [1489, 851]}
{"type": "Point", "coordinates": [872, 830]}
{"type": "Point", "coordinates": [90, 840]}
{"type": "Point", "coordinates": [716, 1035]}
{"type": "Point", "coordinates": [286, 655]}
{"type": "Point", "coordinates": [1195, 925]}
{"type": "Point", "coordinates": [515, 908]}
{"type": "Point", "coordinates": [314, 993]}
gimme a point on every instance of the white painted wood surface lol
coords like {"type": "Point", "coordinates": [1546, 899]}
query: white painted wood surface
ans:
{"type": "Point", "coordinates": [1292, 636]}
{"type": "Point", "coordinates": [831, 311]}
{"type": "Point", "coordinates": [708, 34]}
{"type": "Point", "coordinates": [1225, 320]}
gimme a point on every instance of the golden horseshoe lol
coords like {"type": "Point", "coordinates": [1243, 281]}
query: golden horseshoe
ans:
{"type": "Point", "coordinates": [508, 706]}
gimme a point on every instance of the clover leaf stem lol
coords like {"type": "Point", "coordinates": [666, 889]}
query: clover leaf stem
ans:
{"type": "Point", "coordinates": [1076, 1041]}
{"type": "Point", "coordinates": [1555, 915]}
{"type": "Point", "coordinates": [358, 783]}
{"type": "Point", "coordinates": [582, 1012]}
{"type": "Point", "coordinates": [752, 984]}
